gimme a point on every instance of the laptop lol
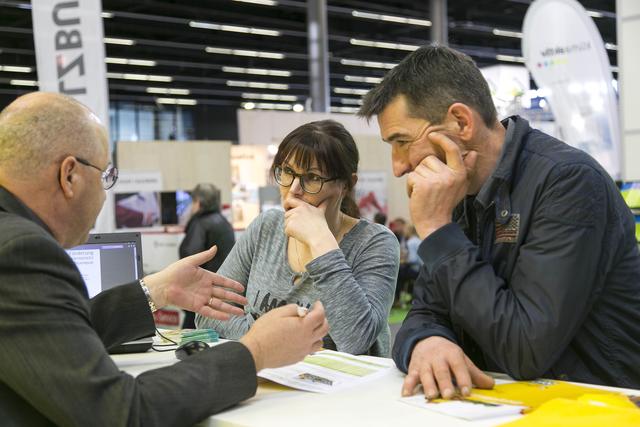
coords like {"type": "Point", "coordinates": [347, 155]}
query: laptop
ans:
{"type": "Point", "coordinates": [107, 260]}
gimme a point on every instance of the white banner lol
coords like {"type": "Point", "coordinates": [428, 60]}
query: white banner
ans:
{"type": "Point", "coordinates": [565, 54]}
{"type": "Point", "coordinates": [70, 51]}
{"type": "Point", "coordinates": [69, 43]}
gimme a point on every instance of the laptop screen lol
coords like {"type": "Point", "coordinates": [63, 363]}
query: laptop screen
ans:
{"type": "Point", "coordinates": [108, 260]}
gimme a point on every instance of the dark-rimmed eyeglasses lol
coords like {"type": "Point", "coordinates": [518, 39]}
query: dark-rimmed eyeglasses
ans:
{"type": "Point", "coordinates": [109, 174]}
{"type": "Point", "coordinates": [310, 182]}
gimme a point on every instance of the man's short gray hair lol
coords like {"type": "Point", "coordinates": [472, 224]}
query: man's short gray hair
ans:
{"type": "Point", "coordinates": [208, 195]}
{"type": "Point", "coordinates": [39, 128]}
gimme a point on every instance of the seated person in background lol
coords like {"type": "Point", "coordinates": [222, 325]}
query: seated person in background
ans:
{"type": "Point", "coordinates": [413, 243]}
{"type": "Point", "coordinates": [530, 263]}
{"type": "Point", "coordinates": [380, 218]}
{"type": "Point", "coordinates": [206, 227]}
{"type": "Point", "coordinates": [410, 268]}
{"type": "Point", "coordinates": [54, 366]}
{"type": "Point", "coordinates": [317, 249]}
{"type": "Point", "coordinates": [399, 228]}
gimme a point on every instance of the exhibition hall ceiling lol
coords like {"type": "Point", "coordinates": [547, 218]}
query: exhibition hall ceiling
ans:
{"type": "Point", "coordinates": [230, 52]}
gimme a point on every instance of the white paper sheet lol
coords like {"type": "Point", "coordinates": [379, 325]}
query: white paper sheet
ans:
{"type": "Point", "coordinates": [328, 371]}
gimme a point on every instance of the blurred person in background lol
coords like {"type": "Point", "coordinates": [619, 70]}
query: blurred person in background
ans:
{"type": "Point", "coordinates": [206, 227]}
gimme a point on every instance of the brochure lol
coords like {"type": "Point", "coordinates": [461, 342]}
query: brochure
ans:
{"type": "Point", "coordinates": [328, 371]}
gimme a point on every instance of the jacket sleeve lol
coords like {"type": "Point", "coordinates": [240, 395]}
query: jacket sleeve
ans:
{"type": "Point", "coordinates": [121, 314]}
{"type": "Point", "coordinates": [368, 286]}
{"type": "Point", "coordinates": [525, 323]}
{"type": "Point", "coordinates": [54, 360]}
{"type": "Point", "coordinates": [429, 316]}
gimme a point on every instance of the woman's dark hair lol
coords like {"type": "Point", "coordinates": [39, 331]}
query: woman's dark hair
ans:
{"type": "Point", "coordinates": [332, 146]}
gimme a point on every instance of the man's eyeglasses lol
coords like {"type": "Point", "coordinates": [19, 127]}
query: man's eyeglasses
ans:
{"type": "Point", "coordinates": [109, 175]}
{"type": "Point", "coordinates": [310, 182]}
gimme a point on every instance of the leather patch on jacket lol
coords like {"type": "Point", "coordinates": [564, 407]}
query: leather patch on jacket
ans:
{"type": "Point", "coordinates": [508, 232]}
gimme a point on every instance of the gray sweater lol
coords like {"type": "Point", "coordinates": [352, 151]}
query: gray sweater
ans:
{"type": "Point", "coordinates": [355, 283]}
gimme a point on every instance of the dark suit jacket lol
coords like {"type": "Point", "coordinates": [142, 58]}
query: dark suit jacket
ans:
{"type": "Point", "coordinates": [54, 368]}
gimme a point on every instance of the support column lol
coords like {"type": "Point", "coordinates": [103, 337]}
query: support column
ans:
{"type": "Point", "coordinates": [440, 22]}
{"type": "Point", "coordinates": [318, 47]}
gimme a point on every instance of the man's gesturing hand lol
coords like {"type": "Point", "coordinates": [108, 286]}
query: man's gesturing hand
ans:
{"type": "Point", "coordinates": [282, 336]}
{"type": "Point", "coordinates": [435, 363]}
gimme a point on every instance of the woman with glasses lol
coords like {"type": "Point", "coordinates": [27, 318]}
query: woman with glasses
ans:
{"type": "Point", "coordinates": [318, 248]}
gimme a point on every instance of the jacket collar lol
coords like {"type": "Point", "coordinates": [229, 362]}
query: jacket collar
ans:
{"type": "Point", "coordinates": [497, 188]}
{"type": "Point", "coordinates": [11, 204]}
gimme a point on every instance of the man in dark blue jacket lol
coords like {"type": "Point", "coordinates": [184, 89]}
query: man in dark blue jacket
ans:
{"type": "Point", "coordinates": [530, 261]}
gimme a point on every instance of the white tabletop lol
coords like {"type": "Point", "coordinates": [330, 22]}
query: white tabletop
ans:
{"type": "Point", "coordinates": [372, 404]}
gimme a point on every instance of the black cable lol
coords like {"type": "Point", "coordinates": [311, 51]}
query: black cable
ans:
{"type": "Point", "coordinates": [154, 346]}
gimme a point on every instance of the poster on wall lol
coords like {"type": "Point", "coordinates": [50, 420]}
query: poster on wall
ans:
{"type": "Point", "coordinates": [371, 193]}
{"type": "Point", "coordinates": [565, 53]}
{"type": "Point", "coordinates": [137, 200]}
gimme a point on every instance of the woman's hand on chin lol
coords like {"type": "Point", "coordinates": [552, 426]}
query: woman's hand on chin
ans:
{"type": "Point", "coordinates": [308, 224]}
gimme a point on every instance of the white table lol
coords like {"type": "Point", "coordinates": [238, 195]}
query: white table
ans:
{"type": "Point", "coordinates": [372, 404]}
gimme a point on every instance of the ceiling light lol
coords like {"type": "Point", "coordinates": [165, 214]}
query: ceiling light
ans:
{"type": "Point", "coordinates": [257, 71]}
{"type": "Point", "coordinates": [370, 64]}
{"type": "Point", "coordinates": [176, 101]}
{"type": "Point", "coordinates": [611, 46]}
{"type": "Point", "coordinates": [507, 33]}
{"type": "Point", "coordinates": [273, 106]}
{"type": "Point", "coordinates": [23, 82]}
{"type": "Point", "coordinates": [234, 28]}
{"type": "Point", "coordinates": [391, 18]}
{"type": "Point", "coordinates": [269, 97]}
{"type": "Point", "coordinates": [125, 61]}
{"type": "Point", "coordinates": [363, 79]}
{"type": "Point", "coordinates": [168, 91]}
{"type": "Point", "coordinates": [244, 52]}
{"type": "Point", "coordinates": [15, 69]}
{"type": "Point", "coordinates": [141, 77]}
{"type": "Point", "coordinates": [348, 110]}
{"type": "Point", "coordinates": [510, 58]}
{"type": "Point", "coordinates": [595, 14]}
{"type": "Point", "coordinates": [263, 2]}
{"type": "Point", "coordinates": [257, 85]}
{"type": "Point", "coordinates": [384, 45]}
{"type": "Point", "coordinates": [350, 91]}
{"type": "Point", "coordinates": [124, 42]}
{"type": "Point", "coordinates": [266, 106]}
{"type": "Point", "coordinates": [353, 101]}
{"type": "Point", "coordinates": [298, 108]}
{"type": "Point", "coordinates": [106, 15]}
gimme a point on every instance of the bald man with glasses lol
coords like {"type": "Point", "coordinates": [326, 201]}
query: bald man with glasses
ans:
{"type": "Point", "coordinates": [54, 367]}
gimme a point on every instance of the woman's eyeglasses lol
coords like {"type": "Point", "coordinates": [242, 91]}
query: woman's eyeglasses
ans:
{"type": "Point", "coordinates": [310, 182]}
